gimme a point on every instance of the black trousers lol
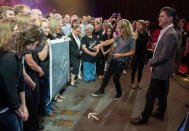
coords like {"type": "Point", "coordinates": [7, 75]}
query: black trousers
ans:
{"type": "Point", "coordinates": [157, 89]}
{"type": "Point", "coordinates": [137, 64]}
{"type": "Point", "coordinates": [115, 69]}
{"type": "Point", "coordinates": [179, 58]}
{"type": "Point", "coordinates": [32, 124]}
{"type": "Point", "coordinates": [188, 62]}
{"type": "Point", "coordinates": [75, 64]}
{"type": "Point", "coordinates": [100, 64]}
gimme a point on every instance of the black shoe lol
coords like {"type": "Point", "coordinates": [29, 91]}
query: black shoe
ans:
{"type": "Point", "coordinates": [158, 116]}
{"type": "Point", "coordinates": [139, 87]}
{"type": "Point", "coordinates": [93, 80]}
{"type": "Point", "coordinates": [77, 82]}
{"type": "Point", "coordinates": [75, 85]}
{"type": "Point", "coordinates": [42, 119]}
{"type": "Point", "coordinates": [117, 97]}
{"type": "Point", "coordinates": [138, 121]}
{"type": "Point", "coordinates": [187, 105]}
{"type": "Point", "coordinates": [41, 126]}
{"type": "Point", "coordinates": [98, 93]}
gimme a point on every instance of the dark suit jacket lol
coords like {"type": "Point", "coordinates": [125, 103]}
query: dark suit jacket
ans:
{"type": "Point", "coordinates": [164, 57]}
{"type": "Point", "coordinates": [74, 51]}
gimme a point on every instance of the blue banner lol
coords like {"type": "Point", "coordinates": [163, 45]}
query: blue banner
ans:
{"type": "Point", "coordinates": [59, 66]}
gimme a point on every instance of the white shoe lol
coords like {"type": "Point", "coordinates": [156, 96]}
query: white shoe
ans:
{"type": "Point", "coordinates": [79, 77]}
{"type": "Point", "coordinates": [124, 71]}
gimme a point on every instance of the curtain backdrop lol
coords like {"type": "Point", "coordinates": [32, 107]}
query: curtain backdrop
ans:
{"type": "Point", "coordinates": [130, 9]}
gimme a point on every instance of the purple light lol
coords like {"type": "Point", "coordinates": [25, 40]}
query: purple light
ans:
{"type": "Point", "coordinates": [43, 5]}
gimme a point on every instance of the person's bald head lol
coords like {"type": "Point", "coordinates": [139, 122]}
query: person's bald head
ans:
{"type": "Point", "coordinates": [57, 15]}
{"type": "Point", "coordinates": [36, 14]}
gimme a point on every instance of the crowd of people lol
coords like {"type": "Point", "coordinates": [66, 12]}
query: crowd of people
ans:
{"type": "Point", "coordinates": [97, 47]}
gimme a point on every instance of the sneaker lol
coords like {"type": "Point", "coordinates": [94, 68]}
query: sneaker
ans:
{"type": "Point", "coordinates": [117, 97]}
{"type": "Point", "coordinates": [79, 77]}
{"type": "Point", "coordinates": [94, 80]}
{"type": "Point", "coordinates": [158, 116]}
{"type": "Point", "coordinates": [89, 81]}
{"type": "Point", "coordinates": [98, 93]}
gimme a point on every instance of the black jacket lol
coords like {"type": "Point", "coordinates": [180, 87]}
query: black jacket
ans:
{"type": "Point", "coordinates": [55, 36]}
{"type": "Point", "coordinates": [141, 44]}
{"type": "Point", "coordinates": [11, 80]}
{"type": "Point", "coordinates": [74, 49]}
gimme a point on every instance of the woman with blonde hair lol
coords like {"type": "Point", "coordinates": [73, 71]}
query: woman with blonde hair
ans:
{"type": "Point", "coordinates": [123, 47]}
{"type": "Point", "coordinates": [46, 107]}
{"type": "Point", "coordinates": [55, 25]}
{"type": "Point", "coordinates": [5, 34]}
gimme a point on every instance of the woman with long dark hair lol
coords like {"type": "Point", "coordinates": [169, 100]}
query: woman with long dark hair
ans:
{"type": "Point", "coordinates": [105, 49]}
{"type": "Point", "coordinates": [31, 35]}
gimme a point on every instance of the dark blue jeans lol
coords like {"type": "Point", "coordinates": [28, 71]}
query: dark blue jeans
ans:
{"type": "Point", "coordinates": [45, 107]}
{"type": "Point", "coordinates": [10, 121]}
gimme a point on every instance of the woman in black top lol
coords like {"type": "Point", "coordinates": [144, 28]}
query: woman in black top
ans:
{"type": "Point", "coordinates": [105, 49]}
{"type": "Point", "coordinates": [32, 35]}
{"type": "Point", "coordinates": [12, 94]}
{"type": "Point", "coordinates": [108, 35]}
{"type": "Point", "coordinates": [185, 33]}
{"type": "Point", "coordinates": [97, 33]}
{"type": "Point", "coordinates": [12, 101]}
{"type": "Point", "coordinates": [185, 39]}
{"type": "Point", "coordinates": [138, 59]}
{"type": "Point", "coordinates": [75, 53]}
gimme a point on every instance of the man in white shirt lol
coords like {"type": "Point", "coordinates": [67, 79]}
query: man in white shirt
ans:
{"type": "Point", "coordinates": [162, 67]}
{"type": "Point", "coordinates": [66, 28]}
